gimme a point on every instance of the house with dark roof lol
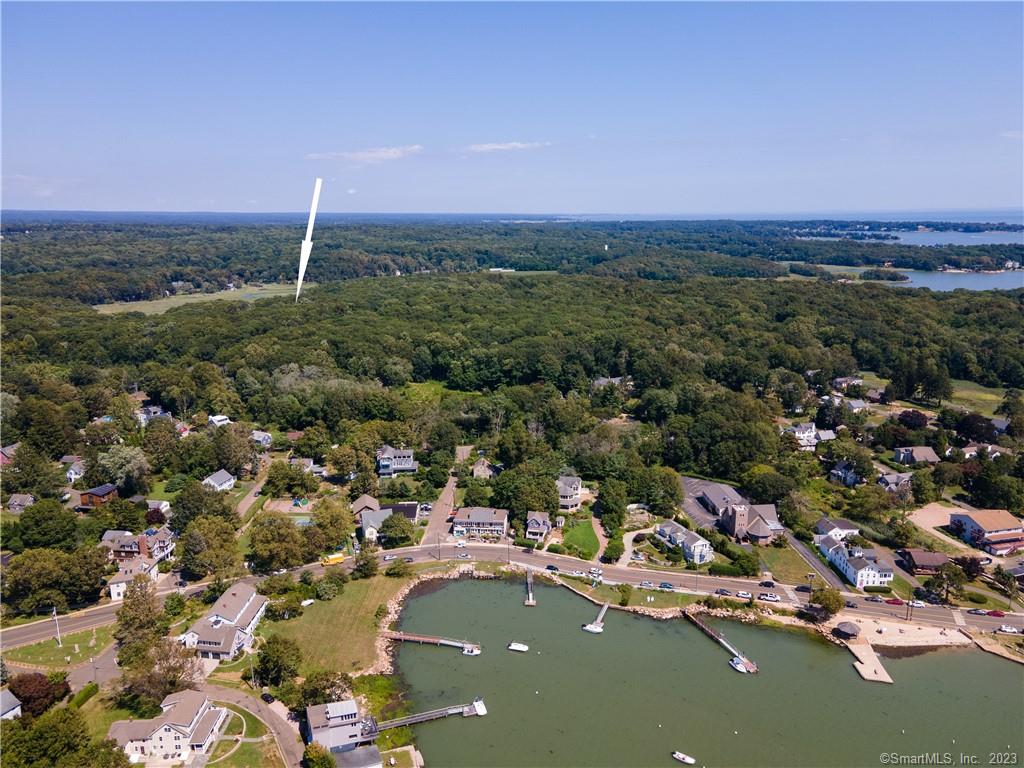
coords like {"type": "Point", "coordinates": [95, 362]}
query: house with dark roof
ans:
{"type": "Point", "coordinates": [10, 706]}
{"type": "Point", "coordinates": [718, 497]}
{"type": "Point", "coordinates": [229, 624]}
{"type": "Point", "coordinates": [1000, 424]}
{"type": "Point", "coordinates": [188, 725]}
{"type": "Point", "coordinates": [921, 561]}
{"type": "Point", "coordinates": [7, 453]}
{"type": "Point", "coordinates": [98, 496]}
{"type": "Point", "coordinates": [19, 502]}
{"type": "Point", "coordinates": [538, 525]}
{"type": "Point", "coordinates": [836, 527]}
{"type": "Point", "coordinates": [895, 481]}
{"type": "Point", "coordinates": [480, 523]}
{"type": "Point", "coordinates": [844, 473]}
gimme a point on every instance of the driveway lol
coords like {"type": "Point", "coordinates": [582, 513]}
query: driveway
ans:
{"type": "Point", "coordinates": [284, 733]}
{"type": "Point", "coordinates": [462, 452]}
{"type": "Point", "coordinates": [628, 541]}
{"type": "Point", "coordinates": [816, 565]}
{"type": "Point", "coordinates": [443, 508]}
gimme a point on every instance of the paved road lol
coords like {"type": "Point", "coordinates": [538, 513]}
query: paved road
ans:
{"type": "Point", "coordinates": [285, 734]}
{"type": "Point", "coordinates": [443, 508]}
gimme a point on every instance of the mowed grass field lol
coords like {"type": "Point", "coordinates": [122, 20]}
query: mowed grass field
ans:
{"type": "Point", "coordinates": [785, 563]}
{"type": "Point", "coordinates": [48, 654]}
{"type": "Point", "coordinates": [339, 634]}
{"type": "Point", "coordinates": [966, 394]}
{"type": "Point", "coordinates": [581, 534]}
{"type": "Point", "coordinates": [159, 306]}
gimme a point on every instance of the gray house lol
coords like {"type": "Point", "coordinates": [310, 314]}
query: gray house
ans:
{"type": "Point", "coordinates": [10, 707]}
{"type": "Point", "coordinates": [538, 525]}
{"type": "Point", "coordinates": [717, 498]}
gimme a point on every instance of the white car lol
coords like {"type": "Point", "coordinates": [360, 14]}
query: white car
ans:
{"type": "Point", "coordinates": [646, 585]}
{"type": "Point", "coordinates": [578, 573]}
{"type": "Point", "coordinates": [769, 597]}
{"type": "Point", "coordinates": [597, 571]}
{"type": "Point", "coordinates": [917, 604]}
{"type": "Point", "coordinates": [1009, 630]}
{"type": "Point", "coordinates": [744, 595]}
{"type": "Point", "coordinates": [460, 544]}
{"type": "Point", "coordinates": [389, 558]}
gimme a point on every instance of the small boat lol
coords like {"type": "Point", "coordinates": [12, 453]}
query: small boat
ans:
{"type": "Point", "coordinates": [738, 664]}
{"type": "Point", "coordinates": [683, 758]}
{"type": "Point", "coordinates": [521, 647]}
{"type": "Point", "coordinates": [471, 650]}
{"type": "Point", "coordinates": [594, 629]}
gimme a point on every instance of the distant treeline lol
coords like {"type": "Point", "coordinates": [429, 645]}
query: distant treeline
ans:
{"type": "Point", "coordinates": [99, 262]}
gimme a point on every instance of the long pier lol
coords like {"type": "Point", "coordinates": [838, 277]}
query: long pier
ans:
{"type": "Point", "coordinates": [465, 710]}
{"type": "Point", "coordinates": [720, 639]}
{"type": "Point", "coordinates": [468, 648]}
{"type": "Point", "coordinates": [530, 601]}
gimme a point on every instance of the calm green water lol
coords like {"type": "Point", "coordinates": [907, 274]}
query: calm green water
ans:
{"type": "Point", "coordinates": [644, 688]}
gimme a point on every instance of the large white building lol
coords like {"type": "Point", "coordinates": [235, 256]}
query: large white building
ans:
{"type": "Point", "coordinates": [188, 726]}
{"type": "Point", "coordinates": [860, 566]}
{"type": "Point", "coordinates": [994, 530]}
{"type": "Point", "coordinates": [229, 625]}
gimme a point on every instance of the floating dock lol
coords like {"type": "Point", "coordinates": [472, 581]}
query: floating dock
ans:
{"type": "Point", "coordinates": [473, 709]}
{"type": "Point", "coordinates": [750, 666]}
{"type": "Point", "coordinates": [468, 648]}
{"type": "Point", "coordinates": [529, 602]}
{"type": "Point", "coordinates": [868, 665]}
{"type": "Point", "coordinates": [597, 626]}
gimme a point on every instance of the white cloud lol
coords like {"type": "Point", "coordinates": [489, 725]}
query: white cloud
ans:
{"type": "Point", "coordinates": [369, 156]}
{"type": "Point", "coordinates": [1018, 135]}
{"type": "Point", "coordinates": [507, 146]}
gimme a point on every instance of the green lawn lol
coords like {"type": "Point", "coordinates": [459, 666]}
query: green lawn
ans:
{"type": "Point", "coordinates": [581, 534]}
{"type": "Point", "coordinates": [966, 394]}
{"type": "Point", "coordinates": [429, 392]}
{"type": "Point", "coordinates": [159, 306]}
{"type": "Point", "coordinates": [47, 653]}
{"type": "Point", "coordinates": [385, 699]}
{"type": "Point", "coordinates": [402, 758]}
{"type": "Point", "coordinates": [159, 491]}
{"type": "Point", "coordinates": [99, 712]}
{"type": "Point", "coordinates": [460, 495]}
{"type": "Point", "coordinates": [262, 754]}
{"type": "Point", "coordinates": [254, 727]}
{"type": "Point", "coordinates": [785, 563]}
{"type": "Point", "coordinates": [339, 634]}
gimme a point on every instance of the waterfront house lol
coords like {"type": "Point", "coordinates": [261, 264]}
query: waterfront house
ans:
{"type": "Point", "coordinates": [217, 420]}
{"type": "Point", "coordinates": [98, 496]}
{"type": "Point", "coordinates": [994, 530]}
{"type": "Point", "coordinates": [844, 473]}
{"type": "Point", "coordinates": [758, 524]}
{"type": "Point", "coordinates": [895, 481]}
{"type": "Point", "coordinates": [221, 480]}
{"type": "Point", "coordinates": [339, 727]}
{"type": "Point", "coordinates": [915, 454]}
{"type": "Point", "coordinates": [188, 725]}
{"type": "Point", "coordinates": [569, 487]}
{"type": "Point", "coordinates": [696, 549]}
{"type": "Point", "coordinates": [392, 461]}
{"type": "Point", "coordinates": [228, 626]}
{"type": "Point", "coordinates": [538, 525]}
{"type": "Point", "coordinates": [859, 566]}
{"type": "Point", "coordinates": [921, 561]}
{"type": "Point", "coordinates": [128, 572]}
{"type": "Point", "coordinates": [480, 523]}
{"type": "Point", "coordinates": [262, 439]}
{"type": "Point", "coordinates": [19, 502]}
{"type": "Point", "coordinates": [155, 543]}
{"type": "Point", "coordinates": [10, 706]}
{"type": "Point", "coordinates": [717, 497]}
{"type": "Point", "coordinates": [837, 527]}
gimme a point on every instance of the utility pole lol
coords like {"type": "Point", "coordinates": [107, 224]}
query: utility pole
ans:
{"type": "Point", "coordinates": [55, 621]}
{"type": "Point", "coordinates": [252, 673]}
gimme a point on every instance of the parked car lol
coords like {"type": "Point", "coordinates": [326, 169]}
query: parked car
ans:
{"type": "Point", "coordinates": [389, 558]}
{"type": "Point", "coordinates": [997, 614]}
{"type": "Point", "coordinates": [978, 612]}
{"type": "Point", "coordinates": [552, 568]}
{"type": "Point", "coordinates": [463, 555]}
{"type": "Point", "coordinates": [768, 583]}
{"type": "Point", "coordinates": [597, 572]}
{"type": "Point", "coordinates": [744, 595]}
{"type": "Point", "coordinates": [874, 599]}
{"type": "Point", "coordinates": [460, 544]}
{"type": "Point", "coordinates": [894, 601]}
{"type": "Point", "coordinates": [426, 507]}
{"type": "Point", "coordinates": [666, 585]}
{"type": "Point", "coordinates": [723, 591]}
{"type": "Point", "coordinates": [647, 585]}
{"type": "Point", "coordinates": [578, 573]}
{"type": "Point", "coordinates": [1008, 630]}
{"type": "Point", "coordinates": [769, 597]}
{"type": "Point", "coordinates": [408, 559]}
{"type": "Point", "coordinates": [850, 604]}
{"type": "Point", "coordinates": [803, 588]}
{"type": "Point", "coordinates": [917, 604]}
{"type": "Point", "coordinates": [267, 697]}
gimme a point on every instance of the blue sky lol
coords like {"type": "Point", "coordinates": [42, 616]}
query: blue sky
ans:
{"type": "Point", "coordinates": [571, 108]}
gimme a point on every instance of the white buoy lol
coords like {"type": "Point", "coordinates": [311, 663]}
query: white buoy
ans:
{"type": "Point", "coordinates": [537, 692]}
{"type": "Point", "coordinates": [736, 732]}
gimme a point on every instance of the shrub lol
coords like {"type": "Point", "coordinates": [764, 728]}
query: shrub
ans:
{"type": "Point", "coordinates": [84, 695]}
{"type": "Point", "coordinates": [326, 590]}
{"type": "Point", "coordinates": [974, 597]}
{"type": "Point", "coordinates": [640, 538]}
{"type": "Point", "coordinates": [724, 569]}
{"type": "Point", "coordinates": [525, 543]}
{"type": "Point", "coordinates": [176, 483]}
{"type": "Point", "coordinates": [879, 589]}
{"type": "Point", "coordinates": [556, 549]}
{"type": "Point", "coordinates": [625, 592]}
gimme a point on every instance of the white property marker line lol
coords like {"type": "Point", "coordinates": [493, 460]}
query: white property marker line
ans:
{"type": "Point", "coordinates": [307, 244]}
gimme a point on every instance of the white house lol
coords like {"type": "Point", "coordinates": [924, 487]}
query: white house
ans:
{"type": "Point", "coordinates": [994, 530]}
{"type": "Point", "coordinates": [569, 488]}
{"type": "Point", "coordinates": [229, 625]}
{"type": "Point", "coordinates": [221, 480]}
{"type": "Point", "coordinates": [860, 566]}
{"type": "Point", "coordinates": [10, 707]}
{"type": "Point", "coordinates": [391, 461]}
{"type": "Point", "coordinates": [338, 726]}
{"type": "Point", "coordinates": [130, 569]}
{"type": "Point", "coordinates": [263, 439]}
{"type": "Point", "coordinates": [218, 420]}
{"type": "Point", "coordinates": [74, 468]}
{"type": "Point", "coordinates": [538, 525]}
{"type": "Point", "coordinates": [696, 549]}
{"type": "Point", "coordinates": [187, 726]}
{"type": "Point", "coordinates": [480, 522]}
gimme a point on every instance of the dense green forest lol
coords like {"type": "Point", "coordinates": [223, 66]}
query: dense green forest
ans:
{"type": "Point", "coordinates": [98, 262]}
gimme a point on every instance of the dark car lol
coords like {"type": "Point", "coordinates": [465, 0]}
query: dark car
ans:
{"type": "Point", "coordinates": [769, 584]}
{"type": "Point", "coordinates": [803, 588]}
{"type": "Point", "coordinates": [553, 568]}
{"type": "Point", "coordinates": [666, 585]}
{"type": "Point", "coordinates": [723, 591]}
{"type": "Point", "coordinates": [997, 614]}
{"type": "Point", "coordinates": [874, 599]}
{"type": "Point", "coordinates": [267, 698]}
{"type": "Point", "coordinates": [408, 559]}
{"type": "Point", "coordinates": [850, 604]}
{"type": "Point", "coordinates": [978, 612]}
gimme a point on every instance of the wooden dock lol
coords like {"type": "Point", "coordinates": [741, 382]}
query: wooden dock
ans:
{"type": "Point", "coordinates": [750, 666]}
{"type": "Point", "coordinates": [476, 707]}
{"type": "Point", "coordinates": [406, 637]}
{"type": "Point", "coordinates": [530, 601]}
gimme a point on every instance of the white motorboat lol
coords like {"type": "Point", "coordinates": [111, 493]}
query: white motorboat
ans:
{"type": "Point", "coordinates": [471, 650]}
{"type": "Point", "coordinates": [521, 647]}
{"type": "Point", "coordinates": [738, 664]}
{"type": "Point", "coordinates": [683, 758]}
{"type": "Point", "coordinates": [594, 629]}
